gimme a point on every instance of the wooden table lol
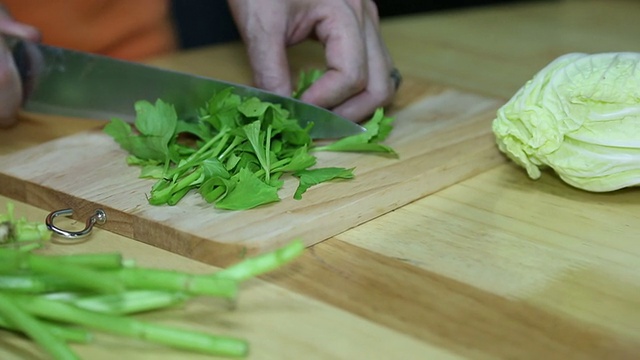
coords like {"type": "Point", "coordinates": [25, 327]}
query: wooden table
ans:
{"type": "Point", "coordinates": [497, 266]}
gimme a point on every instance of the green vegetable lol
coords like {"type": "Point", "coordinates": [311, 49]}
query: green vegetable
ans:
{"type": "Point", "coordinates": [130, 302]}
{"type": "Point", "coordinates": [174, 281]}
{"type": "Point", "coordinates": [264, 263]}
{"type": "Point", "coordinates": [19, 232]}
{"type": "Point", "coordinates": [64, 333]}
{"type": "Point", "coordinates": [246, 190]}
{"type": "Point", "coordinates": [40, 294]}
{"type": "Point", "coordinates": [312, 177]}
{"type": "Point", "coordinates": [156, 124]}
{"type": "Point", "coordinates": [31, 283]}
{"type": "Point", "coordinates": [305, 80]}
{"type": "Point", "coordinates": [235, 154]}
{"type": "Point", "coordinates": [376, 130]}
{"type": "Point", "coordinates": [127, 326]}
{"type": "Point", "coordinates": [12, 261]}
{"type": "Point", "coordinates": [580, 116]}
{"type": "Point", "coordinates": [13, 313]}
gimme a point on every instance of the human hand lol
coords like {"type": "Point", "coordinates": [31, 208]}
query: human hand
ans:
{"type": "Point", "coordinates": [10, 86]}
{"type": "Point", "coordinates": [360, 75]}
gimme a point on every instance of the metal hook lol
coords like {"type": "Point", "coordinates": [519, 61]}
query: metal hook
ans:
{"type": "Point", "coordinates": [99, 217]}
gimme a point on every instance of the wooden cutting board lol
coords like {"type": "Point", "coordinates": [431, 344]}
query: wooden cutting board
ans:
{"type": "Point", "coordinates": [442, 136]}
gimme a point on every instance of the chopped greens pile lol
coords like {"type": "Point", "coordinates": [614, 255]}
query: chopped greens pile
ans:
{"type": "Point", "coordinates": [56, 300]}
{"type": "Point", "coordinates": [237, 151]}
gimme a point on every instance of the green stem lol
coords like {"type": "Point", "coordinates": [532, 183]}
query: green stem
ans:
{"type": "Point", "coordinates": [188, 180]}
{"type": "Point", "coordinates": [278, 165]}
{"type": "Point", "coordinates": [12, 260]}
{"type": "Point", "coordinates": [101, 261]}
{"type": "Point", "coordinates": [178, 195]}
{"type": "Point", "coordinates": [64, 333]}
{"type": "Point", "coordinates": [211, 142]}
{"type": "Point", "coordinates": [267, 146]}
{"type": "Point", "coordinates": [130, 302]}
{"type": "Point", "coordinates": [234, 143]}
{"type": "Point", "coordinates": [178, 338]}
{"type": "Point", "coordinates": [160, 185]}
{"type": "Point", "coordinates": [33, 284]}
{"type": "Point", "coordinates": [214, 194]}
{"type": "Point", "coordinates": [25, 322]}
{"type": "Point", "coordinates": [30, 232]}
{"type": "Point", "coordinates": [74, 274]}
{"type": "Point", "coordinates": [222, 144]}
{"type": "Point", "coordinates": [163, 196]}
{"type": "Point", "coordinates": [195, 157]}
{"type": "Point", "coordinates": [261, 264]}
{"type": "Point", "coordinates": [155, 279]}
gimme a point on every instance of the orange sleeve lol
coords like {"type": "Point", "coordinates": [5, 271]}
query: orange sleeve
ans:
{"type": "Point", "coordinates": [126, 29]}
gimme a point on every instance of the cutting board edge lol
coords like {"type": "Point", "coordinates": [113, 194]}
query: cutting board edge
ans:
{"type": "Point", "coordinates": [122, 223]}
{"type": "Point", "coordinates": [213, 252]}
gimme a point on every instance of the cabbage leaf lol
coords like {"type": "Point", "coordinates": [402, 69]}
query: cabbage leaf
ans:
{"type": "Point", "coordinates": [580, 116]}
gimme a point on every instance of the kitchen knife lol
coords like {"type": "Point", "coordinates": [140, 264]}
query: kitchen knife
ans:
{"type": "Point", "coordinates": [76, 84]}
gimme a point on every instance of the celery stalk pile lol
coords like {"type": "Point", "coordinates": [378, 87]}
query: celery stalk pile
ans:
{"type": "Point", "coordinates": [59, 299]}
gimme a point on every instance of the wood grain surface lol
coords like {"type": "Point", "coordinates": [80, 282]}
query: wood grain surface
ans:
{"type": "Point", "coordinates": [495, 267]}
{"type": "Point", "coordinates": [442, 137]}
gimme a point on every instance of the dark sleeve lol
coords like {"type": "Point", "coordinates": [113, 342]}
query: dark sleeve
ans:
{"type": "Point", "coordinates": [388, 8]}
{"type": "Point", "coordinates": [200, 23]}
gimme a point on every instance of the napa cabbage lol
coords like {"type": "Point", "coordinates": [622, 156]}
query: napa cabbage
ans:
{"type": "Point", "coordinates": [580, 116]}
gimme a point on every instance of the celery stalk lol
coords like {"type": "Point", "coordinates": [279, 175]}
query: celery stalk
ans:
{"type": "Point", "coordinates": [155, 279]}
{"type": "Point", "coordinates": [33, 283]}
{"type": "Point", "coordinates": [78, 275]}
{"type": "Point", "coordinates": [66, 333]}
{"type": "Point", "coordinates": [100, 261]}
{"type": "Point", "coordinates": [12, 260]}
{"type": "Point", "coordinates": [21, 319]}
{"type": "Point", "coordinates": [130, 302]}
{"type": "Point", "coordinates": [174, 337]}
{"type": "Point", "coordinates": [261, 264]}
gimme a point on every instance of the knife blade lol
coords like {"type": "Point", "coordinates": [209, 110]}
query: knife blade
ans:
{"type": "Point", "coordinates": [71, 83]}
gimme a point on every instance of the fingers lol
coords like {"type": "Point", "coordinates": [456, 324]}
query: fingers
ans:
{"type": "Point", "coordinates": [358, 79]}
{"type": "Point", "coordinates": [380, 87]}
{"type": "Point", "coordinates": [268, 60]}
{"type": "Point", "coordinates": [346, 56]}
{"type": "Point", "coordinates": [11, 27]}
{"type": "Point", "coordinates": [19, 30]}
{"type": "Point", "coordinates": [10, 86]}
{"type": "Point", "coordinates": [263, 26]}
